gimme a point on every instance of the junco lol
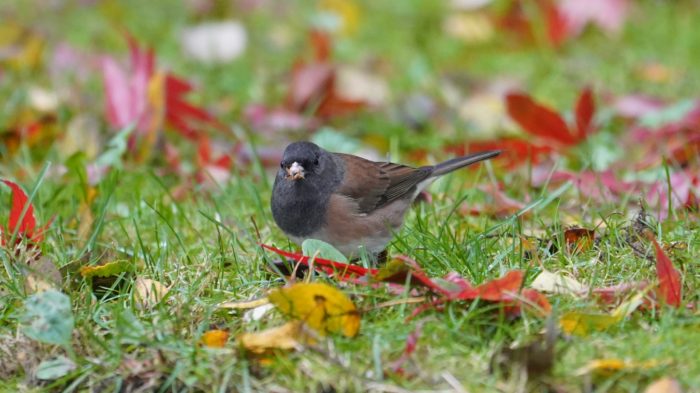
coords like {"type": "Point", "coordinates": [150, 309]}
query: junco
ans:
{"type": "Point", "coordinates": [349, 201]}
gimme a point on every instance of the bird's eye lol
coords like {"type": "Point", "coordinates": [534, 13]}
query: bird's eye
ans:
{"type": "Point", "coordinates": [282, 165]}
{"type": "Point", "coordinates": [316, 161]}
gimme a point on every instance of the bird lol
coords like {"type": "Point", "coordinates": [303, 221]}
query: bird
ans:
{"type": "Point", "coordinates": [348, 201]}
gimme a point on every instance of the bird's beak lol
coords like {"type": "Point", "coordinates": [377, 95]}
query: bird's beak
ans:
{"type": "Point", "coordinates": [295, 171]}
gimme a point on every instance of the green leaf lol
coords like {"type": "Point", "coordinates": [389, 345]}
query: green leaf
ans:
{"type": "Point", "coordinates": [54, 368]}
{"type": "Point", "coordinates": [48, 318]}
{"type": "Point", "coordinates": [311, 246]}
{"type": "Point", "coordinates": [109, 269]}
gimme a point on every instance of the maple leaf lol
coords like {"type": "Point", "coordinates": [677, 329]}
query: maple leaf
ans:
{"type": "Point", "coordinates": [670, 288]}
{"type": "Point", "coordinates": [546, 124]}
{"type": "Point", "coordinates": [145, 97]}
{"type": "Point", "coordinates": [23, 224]}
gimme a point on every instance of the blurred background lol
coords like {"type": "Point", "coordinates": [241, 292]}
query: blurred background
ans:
{"type": "Point", "coordinates": [216, 83]}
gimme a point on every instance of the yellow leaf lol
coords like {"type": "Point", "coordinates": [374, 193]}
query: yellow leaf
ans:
{"type": "Point", "coordinates": [108, 269]}
{"type": "Point", "coordinates": [148, 293]}
{"type": "Point", "coordinates": [288, 336]}
{"type": "Point", "coordinates": [215, 338]}
{"type": "Point", "coordinates": [608, 367]}
{"type": "Point", "coordinates": [246, 304]}
{"type": "Point", "coordinates": [322, 307]}
{"type": "Point", "coordinates": [664, 385]}
{"type": "Point", "coordinates": [582, 324]}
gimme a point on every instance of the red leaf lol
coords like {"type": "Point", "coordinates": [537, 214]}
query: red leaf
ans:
{"type": "Point", "coordinates": [669, 278]}
{"type": "Point", "coordinates": [496, 290]}
{"type": "Point", "coordinates": [182, 115]}
{"type": "Point", "coordinates": [514, 151]}
{"type": "Point", "coordinates": [557, 26]}
{"type": "Point", "coordinates": [585, 108]}
{"type": "Point", "coordinates": [538, 120]}
{"type": "Point", "coordinates": [343, 269]}
{"type": "Point", "coordinates": [27, 224]}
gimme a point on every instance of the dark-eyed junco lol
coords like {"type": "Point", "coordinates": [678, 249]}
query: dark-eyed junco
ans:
{"type": "Point", "coordinates": [349, 201]}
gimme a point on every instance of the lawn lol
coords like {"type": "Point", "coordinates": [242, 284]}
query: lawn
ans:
{"type": "Point", "coordinates": [155, 158]}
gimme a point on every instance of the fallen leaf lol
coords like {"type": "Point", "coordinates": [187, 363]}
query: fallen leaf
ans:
{"type": "Point", "coordinates": [215, 338]}
{"type": "Point", "coordinates": [609, 367]}
{"type": "Point", "coordinates": [557, 283]}
{"type": "Point", "coordinates": [582, 324]}
{"type": "Point", "coordinates": [314, 248]}
{"type": "Point", "coordinates": [670, 286]}
{"type": "Point", "coordinates": [245, 304]}
{"type": "Point", "coordinates": [320, 306]}
{"type": "Point", "coordinates": [578, 239]}
{"type": "Point", "coordinates": [543, 122]}
{"type": "Point", "coordinates": [342, 270]}
{"type": "Point", "coordinates": [664, 385]}
{"type": "Point", "coordinates": [108, 269]}
{"type": "Point", "coordinates": [55, 368]}
{"type": "Point", "coordinates": [148, 292]}
{"type": "Point", "coordinates": [20, 221]}
{"type": "Point", "coordinates": [47, 317]}
{"type": "Point", "coordinates": [286, 337]}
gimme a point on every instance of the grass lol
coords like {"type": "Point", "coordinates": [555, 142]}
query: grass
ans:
{"type": "Point", "coordinates": [204, 247]}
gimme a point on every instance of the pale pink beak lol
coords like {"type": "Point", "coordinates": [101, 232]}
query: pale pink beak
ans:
{"type": "Point", "coordinates": [295, 171]}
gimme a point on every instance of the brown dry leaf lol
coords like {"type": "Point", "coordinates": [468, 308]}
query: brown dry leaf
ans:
{"type": "Point", "coordinates": [578, 239]}
{"type": "Point", "coordinates": [148, 293]}
{"type": "Point", "coordinates": [215, 338]}
{"type": "Point", "coordinates": [321, 306]}
{"type": "Point", "coordinates": [286, 337]}
{"type": "Point", "coordinates": [664, 385]}
{"type": "Point", "coordinates": [557, 283]}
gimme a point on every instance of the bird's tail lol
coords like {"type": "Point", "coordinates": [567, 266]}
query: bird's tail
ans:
{"type": "Point", "coordinates": [460, 162]}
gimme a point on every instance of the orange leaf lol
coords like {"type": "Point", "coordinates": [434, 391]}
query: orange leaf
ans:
{"type": "Point", "coordinates": [215, 338]}
{"type": "Point", "coordinates": [578, 239]}
{"type": "Point", "coordinates": [497, 290]}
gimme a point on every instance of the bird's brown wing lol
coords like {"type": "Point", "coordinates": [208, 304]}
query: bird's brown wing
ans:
{"type": "Point", "coordinates": [375, 184]}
